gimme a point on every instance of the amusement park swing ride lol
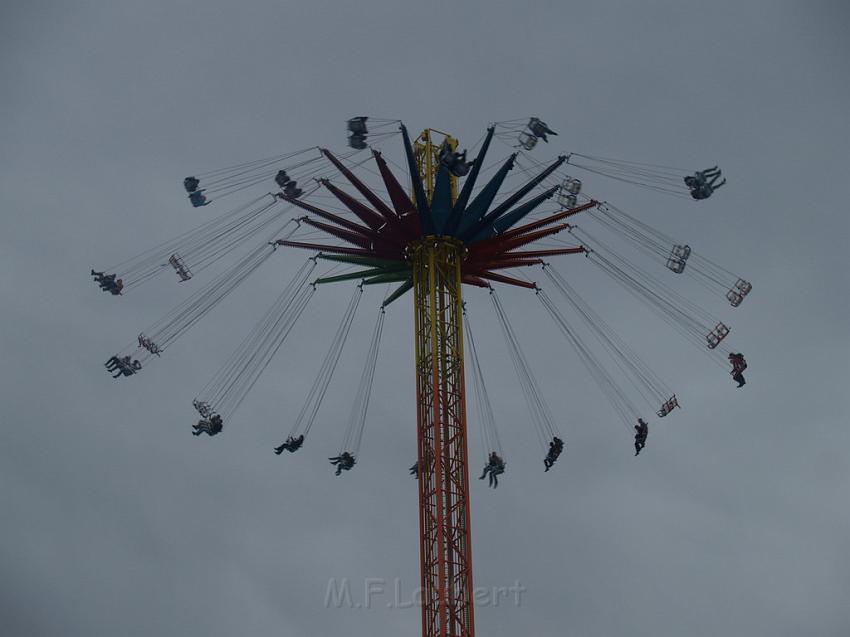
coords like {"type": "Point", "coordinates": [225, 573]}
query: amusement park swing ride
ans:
{"type": "Point", "coordinates": [430, 225]}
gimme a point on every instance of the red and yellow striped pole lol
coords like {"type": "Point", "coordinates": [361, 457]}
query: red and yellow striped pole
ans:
{"type": "Point", "coordinates": [445, 549]}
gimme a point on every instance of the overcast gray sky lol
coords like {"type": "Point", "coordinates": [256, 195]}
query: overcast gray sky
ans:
{"type": "Point", "coordinates": [116, 521]}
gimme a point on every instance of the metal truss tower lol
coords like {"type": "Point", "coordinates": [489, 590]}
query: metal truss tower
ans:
{"type": "Point", "coordinates": [445, 542]}
{"type": "Point", "coordinates": [433, 241]}
{"type": "Point", "coordinates": [445, 549]}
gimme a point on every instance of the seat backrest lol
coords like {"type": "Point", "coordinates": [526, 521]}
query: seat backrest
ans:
{"type": "Point", "coordinates": [683, 252]}
{"type": "Point", "coordinates": [743, 287]}
{"type": "Point", "coordinates": [527, 141]}
{"type": "Point", "coordinates": [567, 201]}
{"type": "Point", "coordinates": [676, 265]}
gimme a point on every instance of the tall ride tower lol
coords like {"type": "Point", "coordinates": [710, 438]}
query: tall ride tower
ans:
{"type": "Point", "coordinates": [433, 241]}
{"type": "Point", "coordinates": [445, 543]}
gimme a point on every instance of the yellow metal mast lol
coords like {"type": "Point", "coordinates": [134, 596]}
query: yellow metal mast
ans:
{"type": "Point", "coordinates": [445, 542]}
{"type": "Point", "coordinates": [427, 154]}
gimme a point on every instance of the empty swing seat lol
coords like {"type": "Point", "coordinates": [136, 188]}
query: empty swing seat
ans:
{"type": "Point", "coordinates": [668, 406]}
{"type": "Point", "coordinates": [527, 140]}
{"type": "Point", "coordinates": [682, 252]}
{"type": "Point", "coordinates": [716, 335]}
{"type": "Point", "coordinates": [571, 185]}
{"type": "Point", "coordinates": [743, 287]}
{"type": "Point", "coordinates": [738, 291]}
{"type": "Point", "coordinates": [179, 267]}
{"type": "Point", "coordinates": [567, 201]}
{"type": "Point", "coordinates": [149, 345]}
{"type": "Point", "coordinates": [675, 264]}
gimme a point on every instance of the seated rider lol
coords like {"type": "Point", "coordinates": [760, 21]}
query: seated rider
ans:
{"type": "Point", "coordinates": [116, 287]}
{"type": "Point", "coordinates": [125, 367]}
{"type": "Point", "coordinates": [454, 161]}
{"type": "Point", "coordinates": [198, 199]}
{"type": "Point", "coordinates": [641, 432]}
{"type": "Point", "coordinates": [357, 125]}
{"type": "Point", "coordinates": [704, 182]}
{"type": "Point", "coordinates": [115, 362]}
{"type": "Point", "coordinates": [357, 142]}
{"type": "Point", "coordinates": [494, 467]}
{"type": "Point", "coordinates": [216, 423]}
{"type": "Point", "coordinates": [191, 184]}
{"type": "Point", "coordinates": [555, 449]}
{"type": "Point", "coordinates": [539, 129]}
{"type": "Point", "coordinates": [210, 427]}
{"type": "Point", "coordinates": [704, 191]}
{"type": "Point", "coordinates": [281, 178]}
{"type": "Point", "coordinates": [107, 282]}
{"type": "Point", "coordinates": [100, 277]}
{"type": "Point", "coordinates": [738, 367]}
{"type": "Point", "coordinates": [291, 445]}
{"type": "Point", "coordinates": [344, 462]}
{"type": "Point", "coordinates": [292, 190]}
{"type": "Point", "coordinates": [459, 166]}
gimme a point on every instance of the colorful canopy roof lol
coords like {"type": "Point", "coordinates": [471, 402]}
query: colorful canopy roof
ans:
{"type": "Point", "coordinates": [490, 232]}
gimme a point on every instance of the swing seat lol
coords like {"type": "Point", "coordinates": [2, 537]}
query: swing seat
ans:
{"type": "Point", "coordinates": [734, 298]}
{"type": "Point", "coordinates": [668, 406]}
{"type": "Point", "coordinates": [715, 336]}
{"type": "Point", "coordinates": [675, 264]}
{"type": "Point", "coordinates": [527, 140]}
{"type": "Point", "coordinates": [571, 185]}
{"type": "Point", "coordinates": [203, 408]}
{"type": "Point", "coordinates": [357, 125]}
{"type": "Point", "coordinates": [179, 267]}
{"type": "Point", "coordinates": [539, 128]}
{"type": "Point", "coordinates": [357, 142]}
{"type": "Point", "coordinates": [743, 287]}
{"type": "Point", "coordinates": [149, 345]}
{"type": "Point", "coordinates": [281, 178]}
{"type": "Point", "coordinates": [682, 252]}
{"type": "Point", "coordinates": [567, 201]}
{"type": "Point", "coordinates": [736, 295]}
{"type": "Point", "coordinates": [198, 199]}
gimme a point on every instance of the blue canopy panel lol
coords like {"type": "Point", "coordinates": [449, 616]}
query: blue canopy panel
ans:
{"type": "Point", "coordinates": [488, 219]}
{"type": "Point", "coordinates": [507, 221]}
{"type": "Point", "coordinates": [441, 201]}
{"type": "Point", "coordinates": [484, 199]}
{"type": "Point", "coordinates": [425, 220]}
{"type": "Point", "coordinates": [468, 185]}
